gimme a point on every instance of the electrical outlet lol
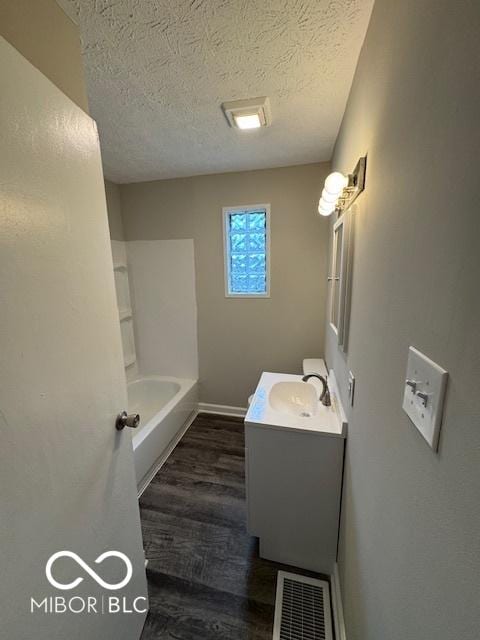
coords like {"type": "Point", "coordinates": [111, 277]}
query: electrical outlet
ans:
{"type": "Point", "coordinates": [351, 387]}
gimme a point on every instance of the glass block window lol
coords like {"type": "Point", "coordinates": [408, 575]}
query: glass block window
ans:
{"type": "Point", "coordinates": [247, 241]}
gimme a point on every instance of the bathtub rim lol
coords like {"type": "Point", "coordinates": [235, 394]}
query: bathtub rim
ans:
{"type": "Point", "coordinates": [186, 385]}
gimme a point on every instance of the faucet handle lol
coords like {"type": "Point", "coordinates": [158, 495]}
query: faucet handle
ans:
{"type": "Point", "coordinates": [325, 397]}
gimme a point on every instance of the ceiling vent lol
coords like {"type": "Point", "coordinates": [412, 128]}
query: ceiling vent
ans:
{"type": "Point", "coordinates": [248, 114]}
{"type": "Point", "coordinates": [302, 608]}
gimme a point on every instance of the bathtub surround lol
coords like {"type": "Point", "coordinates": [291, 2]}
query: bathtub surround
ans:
{"type": "Point", "coordinates": [124, 308]}
{"type": "Point", "coordinates": [410, 548]}
{"type": "Point", "coordinates": [238, 338]}
{"type": "Point", "coordinates": [42, 32]}
{"type": "Point", "coordinates": [155, 287]}
{"type": "Point", "coordinates": [162, 284]}
{"type": "Point", "coordinates": [155, 291]}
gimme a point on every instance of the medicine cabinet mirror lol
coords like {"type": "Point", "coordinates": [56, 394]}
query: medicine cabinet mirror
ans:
{"type": "Point", "coordinates": [340, 277]}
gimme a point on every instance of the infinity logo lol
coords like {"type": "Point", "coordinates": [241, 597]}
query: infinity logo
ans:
{"type": "Point", "coordinates": [87, 569]}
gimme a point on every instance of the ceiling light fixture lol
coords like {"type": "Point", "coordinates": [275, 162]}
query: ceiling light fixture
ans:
{"type": "Point", "coordinates": [340, 191]}
{"type": "Point", "coordinates": [248, 114]}
{"type": "Point", "coordinates": [250, 121]}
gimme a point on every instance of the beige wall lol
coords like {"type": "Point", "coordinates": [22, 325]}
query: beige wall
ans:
{"type": "Point", "coordinates": [115, 222]}
{"type": "Point", "coordinates": [42, 33]}
{"type": "Point", "coordinates": [410, 543]}
{"type": "Point", "coordinates": [240, 338]}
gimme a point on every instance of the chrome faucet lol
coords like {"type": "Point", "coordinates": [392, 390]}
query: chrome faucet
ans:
{"type": "Point", "coordinates": [325, 395]}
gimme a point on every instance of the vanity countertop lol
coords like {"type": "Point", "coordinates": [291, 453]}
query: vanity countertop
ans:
{"type": "Point", "coordinates": [327, 421]}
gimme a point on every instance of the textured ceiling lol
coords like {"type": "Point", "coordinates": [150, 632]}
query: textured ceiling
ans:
{"type": "Point", "coordinates": [158, 71]}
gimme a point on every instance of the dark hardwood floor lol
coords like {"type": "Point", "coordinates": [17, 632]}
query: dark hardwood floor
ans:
{"type": "Point", "coordinates": [206, 581]}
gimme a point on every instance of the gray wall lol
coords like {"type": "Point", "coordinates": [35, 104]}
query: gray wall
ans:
{"type": "Point", "coordinates": [115, 222]}
{"type": "Point", "coordinates": [240, 338]}
{"type": "Point", "coordinates": [42, 33]}
{"type": "Point", "coordinates": [410, 542]}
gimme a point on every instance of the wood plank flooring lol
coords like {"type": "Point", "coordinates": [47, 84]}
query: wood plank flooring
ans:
{"type": "Point", "coordinates": [206, 581]}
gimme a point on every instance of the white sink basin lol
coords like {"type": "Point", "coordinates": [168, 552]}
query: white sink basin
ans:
{"type": "Point", "coordinates": [284, 401]}
{"type": "Point", "coordinates": [294, 398]}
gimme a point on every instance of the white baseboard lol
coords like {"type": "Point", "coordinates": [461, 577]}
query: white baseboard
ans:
{"type": "Point", "coordinates": [337, 606]}
{"type": "Point", "coordinates": [222, 409]}
{"type": "Point", "coordinates": [163, 458]}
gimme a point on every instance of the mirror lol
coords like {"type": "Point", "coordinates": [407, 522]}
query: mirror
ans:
{"type": "Point", "coordinates": [340, 277]}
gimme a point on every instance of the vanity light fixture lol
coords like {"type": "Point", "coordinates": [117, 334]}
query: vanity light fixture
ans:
{"type": "Point", "coordinates": [329, 197]}
{"type": "Point", "coordinates": [340, 191]}
{"type": "Point", "coordinates": [248, 114]}
{"type": "Point", "coordinates": [325, 208]}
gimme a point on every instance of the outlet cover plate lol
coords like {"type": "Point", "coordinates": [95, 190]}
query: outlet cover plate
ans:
{"type": "Point", "coordinates": [351, 388]}
{"type": "Point", "coordinates": [424, 394]}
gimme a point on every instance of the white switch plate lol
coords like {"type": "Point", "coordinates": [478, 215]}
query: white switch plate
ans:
{"type": "Point", "coordinates": [424, 394]}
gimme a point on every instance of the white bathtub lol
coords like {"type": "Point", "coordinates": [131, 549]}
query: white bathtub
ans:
{"type": "Point", "coordinates": [166, 406]}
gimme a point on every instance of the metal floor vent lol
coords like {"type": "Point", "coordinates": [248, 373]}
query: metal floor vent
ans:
{"type": "Point", "coordinates": [302, 608]}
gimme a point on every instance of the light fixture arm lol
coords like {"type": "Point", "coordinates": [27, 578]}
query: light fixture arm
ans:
{"type": "Point", "coordinates": [355, 186]}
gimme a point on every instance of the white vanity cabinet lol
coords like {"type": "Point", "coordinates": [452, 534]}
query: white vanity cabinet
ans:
{"type": "Point", "coordinates": [294, 468]}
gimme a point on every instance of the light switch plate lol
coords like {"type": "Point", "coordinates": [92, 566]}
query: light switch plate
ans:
{"type": "Point", "coordinates": [424, 394]}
